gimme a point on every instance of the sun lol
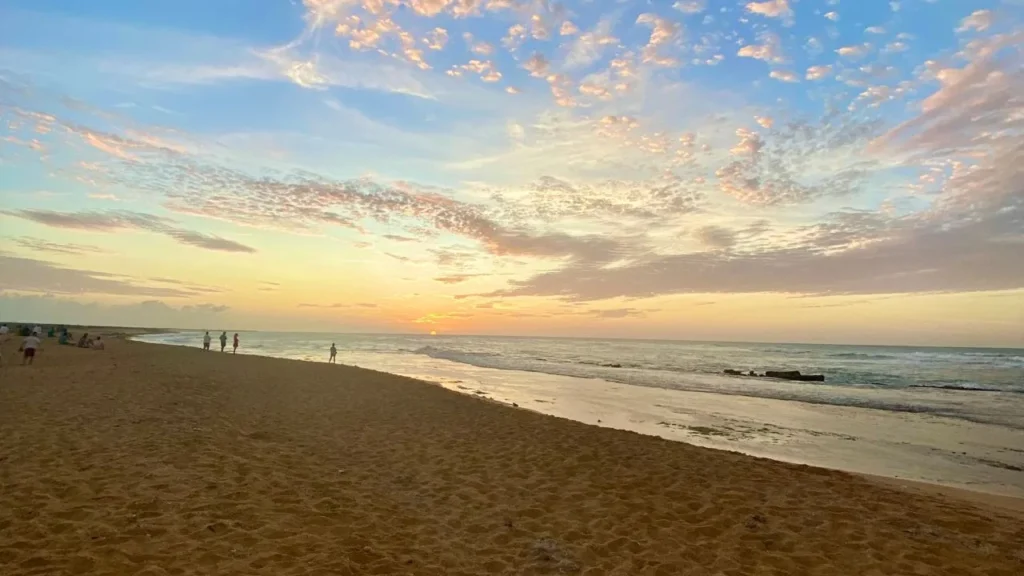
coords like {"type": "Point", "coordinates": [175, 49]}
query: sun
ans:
{"type": "Point", "coordinates": [433, 332]}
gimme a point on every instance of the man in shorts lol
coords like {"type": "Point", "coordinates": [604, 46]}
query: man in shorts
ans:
{"type": "Point", "coordinates": [28, 349]}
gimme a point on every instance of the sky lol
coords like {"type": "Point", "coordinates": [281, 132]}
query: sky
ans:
{"type": "Point", "coordinates": [831, 171]}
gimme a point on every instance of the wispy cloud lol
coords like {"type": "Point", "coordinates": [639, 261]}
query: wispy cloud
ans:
{"type": "Point", "coordinates": [32, 276]}
{"type": "Point", "coordinates": [38, 245]}
{"type": "Point", "coordinates": [112, 221]}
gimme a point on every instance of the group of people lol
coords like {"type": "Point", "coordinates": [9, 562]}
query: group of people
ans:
{"type": "Point", "coordinates": [67, 339]}
{"type": "Point", "coordinates": [223, 342]}
{"type": "Point", "coordinates": [33, 341]}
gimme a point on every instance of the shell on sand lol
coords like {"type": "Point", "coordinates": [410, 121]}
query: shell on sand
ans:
{"type": "Point", "coordinates": [155, 460]}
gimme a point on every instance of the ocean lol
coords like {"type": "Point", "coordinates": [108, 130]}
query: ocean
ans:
{"type": "Point", "coordinates": [947, 415]}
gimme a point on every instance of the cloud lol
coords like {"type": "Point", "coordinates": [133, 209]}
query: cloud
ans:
{"type": "Point", "coordinates": [618, 313]}
{"type": "Point", "coordinates": [715, 237]}
{"type": "Point", "coordinates": [38, 245]}
{"type": "Point", "coordinates": [146, 314]}
{"type": "Point", "coordinates": [454, 278]}
{"type": "Point", "coordinates": [114, 220]}
{"type": "Point", "coordinates": [690, 6]}
{"type": "Point", "coordinates": [771, 9]}
{"type": "Point", "coordinates": [537, 65]}
{"type": "Point", "coordinates": [851, 254]}
{"type": "Point", "coordinates": [483, 68]}
{"type": "Point", "coordinates": [770, 49]}
{"type": "Point", "coordinates": [588, 179]}
{"type": "Point", "coordinates": [978, 21]}
{"type": "Point", "coordinates": [42, 277]}
{"type": "Point", "coordinates": [590, 46]}
{"type": "Point", "coordinates": [550, 199]}
{"type": "Point", "coordinates": [436, 39]}
{"type": "Point", "coordinates": [895, 47]}
{"type": "Point", "coordinates": [773, 172]}
{"type": "Point", "coordinates": [818, 72]}
{"type": "Point", "coordinates": [968, 239]}
{"type": "Point", "coordinates": [340, 305]}
{"type": "Point", "coordinates": [975, 108]}
{"type": "Point", "coordinates": [663, 33]}
{"type": "Point", "coordinates": [108, 221]}
{"type": "Point", "coordinates": [784, 76]}
{"type": "Point", "coordinates": [209, 242]}
{"type": "Point", "coordinates": [855, 52]}
{"type": "Point", "coordinates": [201, 308]}
{"type": "Point", "coordinates": [168, 59]}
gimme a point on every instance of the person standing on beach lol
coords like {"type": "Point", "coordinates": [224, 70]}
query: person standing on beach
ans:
{"type": "Point", "coordinates": [206, 341]}
{"type": "Point", "coordinates": [223, 340]}
{"type": "Point", "coordinates": [28, 349]}
{"type": "Point", "coordinates": [4, 330]}
{"type": "Point", "coordinates": [334, 354]}
{"type": "Point", "coordinates": [235, 349]}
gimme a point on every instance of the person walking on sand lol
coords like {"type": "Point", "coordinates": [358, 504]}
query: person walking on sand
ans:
{"type": "Point", "coordinates": [234, 350]}
{"type": "Point", "coordinates": [223, 340]}
{"type": "Point", "coordinates": [334, 354]}
{"type": "Point", "coordinates": [206, 340]}
{"type": "Point", "coordinates": [28, 349]}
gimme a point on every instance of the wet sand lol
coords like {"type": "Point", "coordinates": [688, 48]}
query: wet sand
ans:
{"type": "Point", "coordinates": [152, 460]}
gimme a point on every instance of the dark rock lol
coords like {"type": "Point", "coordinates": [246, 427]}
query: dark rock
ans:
{"type": "Point", "coordinates": [732, 372]}
{"type": "Point", "coordinates": [795, 375]}
{"type": "Point", "coordinates": [751, 373]}
{"type": "Point", "coordinates": [612, 365]}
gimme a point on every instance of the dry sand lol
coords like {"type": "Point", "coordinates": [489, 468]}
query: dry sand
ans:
{"type": "Point", "coordinates": [154, 460]}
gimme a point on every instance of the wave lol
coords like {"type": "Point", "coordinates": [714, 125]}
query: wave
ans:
{"type": "Point", "coordinates": [887, 398]}
{"type": "Point", "coordinates": [861, 355]}
{"type": "Point", "coordinates": [960, 387]}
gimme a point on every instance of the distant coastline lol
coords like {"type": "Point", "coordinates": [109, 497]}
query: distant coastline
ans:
{"type": "Point", "coordinates": [140, 330]}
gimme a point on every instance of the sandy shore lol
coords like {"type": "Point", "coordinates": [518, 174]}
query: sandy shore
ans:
{"type": "Point", "coordinates": [156, 460]}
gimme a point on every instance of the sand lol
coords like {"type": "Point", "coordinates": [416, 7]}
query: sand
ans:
{"type": "Point", "coordinates": [153, 460]}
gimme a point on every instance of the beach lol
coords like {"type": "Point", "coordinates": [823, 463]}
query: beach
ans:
{"type": "Point", "coordinates": [153, 460]}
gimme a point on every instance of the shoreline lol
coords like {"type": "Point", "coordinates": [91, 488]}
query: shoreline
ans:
{"type": "Point", "coordinates": [900, 445]}
{"type": "Point", "coordinates": [715, 433]}
{"type": "Point", "coordinates": [167, 460]}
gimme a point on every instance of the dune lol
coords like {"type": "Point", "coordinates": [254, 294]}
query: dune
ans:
{"type": "Point", "coordinates": [157, 460]}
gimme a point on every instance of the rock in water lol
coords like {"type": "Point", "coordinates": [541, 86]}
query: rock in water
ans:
{"type": "Point", "coordinates": [795, 375]}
